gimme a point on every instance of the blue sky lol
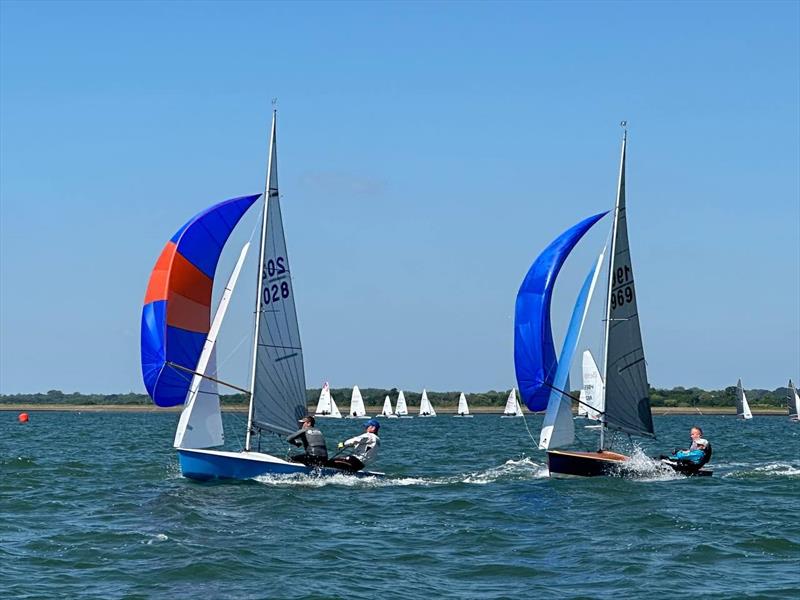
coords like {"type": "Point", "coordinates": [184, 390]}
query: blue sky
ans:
{"type": "Point", "coordinates": [427, 153]}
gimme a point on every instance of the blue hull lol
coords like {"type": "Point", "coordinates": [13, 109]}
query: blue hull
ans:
{"type": "Point", "coordinates": [205, 465]}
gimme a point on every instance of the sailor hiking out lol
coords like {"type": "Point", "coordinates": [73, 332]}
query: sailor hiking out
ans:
{"type": "Point", "coordinates": [365, 449]}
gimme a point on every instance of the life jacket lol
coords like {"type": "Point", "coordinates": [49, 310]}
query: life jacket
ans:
{"type": "Point", "coordinates": [707, 452]}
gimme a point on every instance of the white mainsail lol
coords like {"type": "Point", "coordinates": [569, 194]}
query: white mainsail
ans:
{"type": "Point", "coordinates": [425, 406]}
{"type": "Point", "coordinates": [278, 382]}
{"type": "Point", "coordinates": [324, 402]}
{"type": "Point", "coordinates": [742, 407]}
{"type": "Point", "coordinates": [387, 408]}
{"type": "Point", "coordinates": [357, 409]}
{"type": "Point", "coordinates": [513, 409]}
{"type": "Point", "coordinates": [592, 392]}
{"type": "Point", "coordinates": [794, 403]}
{"type": "Point", "coordinates": [326, 405]}
{"type": "Point", "coordinates": [401, 409]}
{"type": "Point", "coordinates": [200, 424]}
{"type": "Point", "coordinates": [463, 407]}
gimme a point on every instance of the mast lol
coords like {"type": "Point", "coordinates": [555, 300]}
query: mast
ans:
{"type": "Point", "coordinates": [267, 192]}
{"type": "Point", "coordinates": [609, 291]}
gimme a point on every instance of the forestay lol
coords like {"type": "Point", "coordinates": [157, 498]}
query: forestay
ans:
{"type": "Point", "coordinates": [278, 380]}
{"type": "Point", "coordinates": [627, 402]}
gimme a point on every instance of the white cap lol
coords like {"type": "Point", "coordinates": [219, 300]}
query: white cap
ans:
{"type": "Point", "coordinates": [701, 442]}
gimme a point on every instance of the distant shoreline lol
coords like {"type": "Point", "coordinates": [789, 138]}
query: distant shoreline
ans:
{"type": "Point", "coordinates": [139, 408]}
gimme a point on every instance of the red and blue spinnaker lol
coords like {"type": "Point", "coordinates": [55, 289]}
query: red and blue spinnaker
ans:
{"type": "Point", "coordinates": [534, 351]}
{"type": "Point", "coordinates": [176, 316]}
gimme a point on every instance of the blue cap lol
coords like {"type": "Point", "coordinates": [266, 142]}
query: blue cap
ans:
{"type": "Point", "coordinates": [372, 423]}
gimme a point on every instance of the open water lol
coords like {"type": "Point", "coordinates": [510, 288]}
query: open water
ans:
{"type": "Point", "coordinates": [92, 505]}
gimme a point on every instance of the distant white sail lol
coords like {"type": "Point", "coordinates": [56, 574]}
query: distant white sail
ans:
{"type": "Point", "coordinates": [742, 407]}
{"type": "Point", "coordinates": [400, 408]}
{"type": "Point", "coordinates": [463, 407]}
{"type": "Point", "coordinates": [357, 403]}
{"type": "Point", "coordinates": [593, 389]}
{"type": "Point", "coordinates": [324, 402]}
{"type": "Point", "coordinates": [425, 406]}
{"type": "Point", "coordinates": [513, 409]}
{"type": "Point", "coordinates": [200, 424]}
{"type": "Point", "coordinates": [387, 408]}
{"type": "Point", "coordinates": [794, 403]}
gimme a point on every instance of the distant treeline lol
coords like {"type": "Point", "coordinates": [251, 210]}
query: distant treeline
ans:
{"type": "Point", "coordinates": [373, 397]}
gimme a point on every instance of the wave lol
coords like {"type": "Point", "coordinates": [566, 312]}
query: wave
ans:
{"type": "Point", "coordinates": [521, 469]}
{"type": "Point", "coordinates": [777, 469]}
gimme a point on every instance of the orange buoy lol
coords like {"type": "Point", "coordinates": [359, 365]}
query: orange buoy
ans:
{"type": "Point", "coordinates": [23, 417]}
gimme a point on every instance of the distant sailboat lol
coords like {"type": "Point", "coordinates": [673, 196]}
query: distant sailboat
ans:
{"type": "Point", "coordinates": [387, 409]}
{"type": "Point", "coordinates": [590, 405]}
{"type": "Point", "coordinates": [326, 406]}
{"type": "Point", "coordinates": [513, 409]}
{"type": "Point", "coordinates": [178, 338]}
{"type": "Point", "coordinates": [357, 410]}
{"type": "Point", "coordinates": [543, 379]}
{"type": "Point", "coordinates": [401, 408]}
{"type": "Point", "coordinates": [463, 407]}
{"type": "Point", "coordinates": [425, 406]}
{"type": "Point", "coordinates": [793, 401]}
{"type": "Point", "coordinates": [742, 407]}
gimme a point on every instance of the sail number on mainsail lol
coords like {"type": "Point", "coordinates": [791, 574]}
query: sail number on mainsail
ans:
{"type": "Point", "coordinates": [623, 290]}
{"type": "Point", "coordinates": [275, 271]}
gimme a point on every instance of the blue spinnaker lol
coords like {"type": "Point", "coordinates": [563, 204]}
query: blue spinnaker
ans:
{"type": "Point", "coordinates": [534, 351]}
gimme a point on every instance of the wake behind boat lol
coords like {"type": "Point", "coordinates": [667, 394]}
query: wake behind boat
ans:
{"type": "Point", "coordinates": [178, 340]}
{"type": "Point", "coordinates": [543, 379]}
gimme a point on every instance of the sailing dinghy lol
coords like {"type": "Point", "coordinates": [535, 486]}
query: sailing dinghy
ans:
{"type": "Point", "coordinates": [400, 407]}
{"type": "Point", "coordinates": [543, 378]}
{"type": "Point", "coordinates": [326, 405]}
{"type": "Point", "coordinates": [793, 400]}
{"type": "Point", "coordinates": [742, 406]}
{"type": "Point", "coordinates": [357, 410]}
{"type": "Point", "coordinates": [387, 409]}
{"type": "Point", "coordinates": [590, 403]}
{"type": "Point", "coordinates": [425, 406]}
{"type": "Point", "coordinates": [178, 338]}
{"type": "Point", "coordinates": [463, 407]}
{"type": "Point", "coordinates": [512, 409]}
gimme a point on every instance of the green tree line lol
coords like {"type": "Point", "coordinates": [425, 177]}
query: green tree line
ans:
{"type": "Point", "coordinates": [373, 398]}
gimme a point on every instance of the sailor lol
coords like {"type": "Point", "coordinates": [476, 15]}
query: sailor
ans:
{"type": "Point", "coordinates": [315, 452]}
{"type": "Point", "coordinates": [695, 433]}
{"type": "Point", "coordinates": [697, 456]}
{"type": "Point", "coordinates": [365, 449]}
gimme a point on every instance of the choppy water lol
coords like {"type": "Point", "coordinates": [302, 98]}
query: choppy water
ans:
{"type": "Point", "coordinates": [92, 505]}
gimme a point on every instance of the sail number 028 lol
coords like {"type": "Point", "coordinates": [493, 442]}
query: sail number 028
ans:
{"type": "Point", "coordinates": [624, 294]}
{"type": "Point", "coordinates": [276, 291]}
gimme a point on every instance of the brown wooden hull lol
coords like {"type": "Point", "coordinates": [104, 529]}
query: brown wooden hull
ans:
{"type": "Point", "coordinates": [585, 464]}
